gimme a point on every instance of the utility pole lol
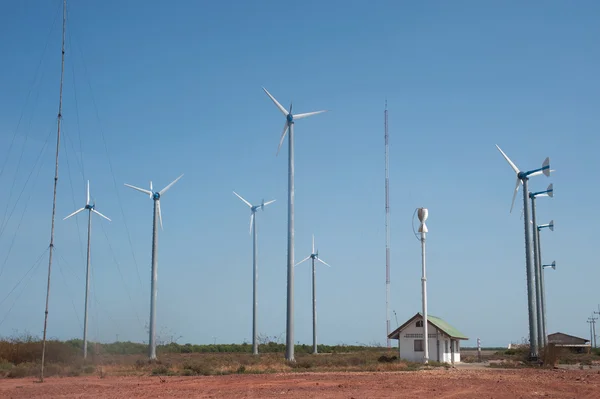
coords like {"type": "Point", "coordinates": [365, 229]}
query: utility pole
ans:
{"type": "Point", "coordinates": [478, 350]}
{"type": "Point", "coordinates": [594, 328]}
{"type": "Point", "coordinates": [592, 322]}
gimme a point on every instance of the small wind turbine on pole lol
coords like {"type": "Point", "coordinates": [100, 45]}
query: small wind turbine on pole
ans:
{"type": "Point", "coordinates": [314, 256]}
{"type": "Point", "coordinates": [523, 178]}
{"type": "Point", "coordinates": [423, 213]}
{"type": "Point", "coordinates": [549, 192]}
{"type": "Point", "coordinates": [253, 209]}
{"type": "Point", "coordinates": [542, 291]}
{"type": "Point", "coordinates": [155, 196]}
{"type": "Point", "coordinates": [289, 125]}
{"type": "Point", "coordinates": [91, 208]}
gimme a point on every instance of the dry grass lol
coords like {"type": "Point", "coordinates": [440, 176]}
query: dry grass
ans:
{"type": "Point", "coordinates": [21, 358]}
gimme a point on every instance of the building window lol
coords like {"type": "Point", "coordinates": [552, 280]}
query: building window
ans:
{"type": "Point", "coordinates": [419, 323]}
{"type": "Point", "coordinates": [413, 335]}
{"type": "Point", "coordinates": [418, 345]}
{"type": "Point", "coordinates": [446, 347]}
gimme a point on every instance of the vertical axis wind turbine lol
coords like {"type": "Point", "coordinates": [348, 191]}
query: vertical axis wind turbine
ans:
{"type": "Point", "coordinates": [423, 215]}
{"type": "Point", "coordinates": [155, 196]}
{"type": "Point", "coordinates": [314, 256]}
{"type": "Point", "coordinates": [253, 209]}
{"type": "Point", "coordinates": [549, 192]}
{"type": "Point", "coordinates": [523, 178]}
{"type": "Point", "coordinates": [91, 209]}
{"type": "Point", "coordinates": [289, 125]}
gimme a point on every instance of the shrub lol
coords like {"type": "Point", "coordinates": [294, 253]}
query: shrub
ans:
{"type": "Point", "coordinates": [160, 370]}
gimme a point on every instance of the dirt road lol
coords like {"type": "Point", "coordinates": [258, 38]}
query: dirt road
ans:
{"type": "Point", "coordinates": [453, 383]}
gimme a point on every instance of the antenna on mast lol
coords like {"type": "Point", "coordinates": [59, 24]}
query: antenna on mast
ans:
{"type": "Point", "coordinates": [51, 247]}
{"type": "Point", "coordinates": [387, 226]}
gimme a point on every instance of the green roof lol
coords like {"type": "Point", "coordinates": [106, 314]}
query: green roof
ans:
{"type": "Point", "coordinates": [445, 327]}
{"type": "Point", "coordinates": [436, 321]}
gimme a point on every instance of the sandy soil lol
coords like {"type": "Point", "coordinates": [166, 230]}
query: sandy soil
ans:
{"type": "Point", "coordinates": [453, 383]}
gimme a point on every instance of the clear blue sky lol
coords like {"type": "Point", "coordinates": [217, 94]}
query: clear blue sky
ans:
{"type": "Point", "coordinates": [175, 88]}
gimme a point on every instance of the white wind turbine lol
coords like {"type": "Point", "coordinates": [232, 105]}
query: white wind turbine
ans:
{"type": "Point", "coordinates": [289, 125]}
{"type": "Point", "coordinates": [314, 256]}
{"type": "Point", "coordinates": [523, 178]}
{"type": "Point", "coordinates": [253, 209]}
{"type": "Point", "coordinates": [154, 195]}
{"type": "Point", "coordinates": [91, 208]}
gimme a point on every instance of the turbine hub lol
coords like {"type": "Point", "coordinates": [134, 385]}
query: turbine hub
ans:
{"type": "Point", "coordinates": [290, 118]}
{"type": "Point", "coordinates": [156, 196]}
{"type": "Point", "coordinates": [521, 175]}
{"type": "Point", "coordinates": [89, 206]}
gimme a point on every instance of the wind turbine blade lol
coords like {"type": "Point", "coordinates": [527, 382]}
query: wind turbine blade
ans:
{"type": "Point", "coordinates": [240, 197]}
{"type": "Point", "coordinates": [87, 200]}
{"type": "Point", "coordinates": [515, 194]}
{"type": "Point", "coordinates": [74, 213]}
{"type": "Point", "coordinates": [300, 116]}
{"type": "Point", "coordinates": [303, 260]}
{"type": "Point", "coordinates": [323, 262]}
{"type": "Point", "coordinates": [164, 190]}
{"type": "Point", "coordinates": [140, 189]}
{"type": "Point", "coordinates": [99, 214]}
{"type": "Point", "coordinates": [159, 214]}
{"type": "Point", "coordinates": [251, 221]}
{"type": "Point", "coordinates": [283, 110]}
{"type": "Point", "coordinates": [285, 129]}
{"type": "Point", "coordinates": [313, 244]}
{"type": "Point", "coordinates": [269, 202]}
{"type": "Point", "coordinates": [540, 172]}
{"type": "Point", "coordinates": [512, 165]}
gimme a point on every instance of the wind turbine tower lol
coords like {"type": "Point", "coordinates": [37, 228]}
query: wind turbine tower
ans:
{"type": "Point", "coordinates": [537, 263]}
{"type": "Point", "coordinates": [253, 209]}
{"type": "Point", "coordinates": [314, 256]}
{"type": "Point", "coordinates": [289, 125]}
{"type": "Point", "coordinates": [523, 178]}
{"type": "Point", "coordinates": [157, 218]}
{"type": "Point", "coordinates": [387, 227]}
{"type": "Point", "coordinates": [91, 208]}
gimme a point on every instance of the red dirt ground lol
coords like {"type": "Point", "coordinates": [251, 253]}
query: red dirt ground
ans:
{"type": "Point", "coordinates": [453, 383]}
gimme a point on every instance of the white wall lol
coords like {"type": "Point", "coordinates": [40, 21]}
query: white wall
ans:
{"type": "Point", "coordinates": [412, 332]}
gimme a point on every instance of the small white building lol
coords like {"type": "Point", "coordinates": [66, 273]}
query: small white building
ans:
{"type": "Point", "coordinates": [444, 340]}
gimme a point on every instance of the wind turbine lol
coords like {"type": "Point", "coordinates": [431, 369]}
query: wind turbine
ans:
{"type": "Point", "coordinates": [523, 178]}
{"type": "Point", "coordinates": [314, 256]}
{"type": "Point", "coordinates": [91, 208]}
{"type": "Point", "coordinates": [253, 209]}
{"type": "Point", "coordinates": [289, 125]}
{"type": "Point", "coordinates": [549, 192]}
{"type": "Point", "coordinates": [542, 291]}
{"type": "Point", "coordinates": [552, 265]}
{"type": "Point", "coordinates": [155, 196]}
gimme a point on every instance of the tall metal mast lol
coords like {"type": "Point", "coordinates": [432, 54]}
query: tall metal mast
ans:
{"type": "Point", "coordinates": [387, 227]}
{"type": "Point", "coordinates": [51, 248]}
